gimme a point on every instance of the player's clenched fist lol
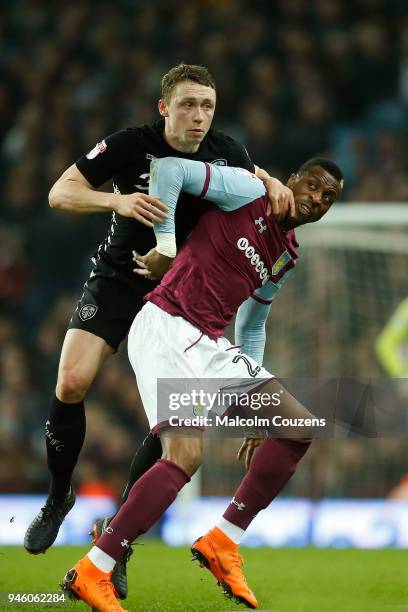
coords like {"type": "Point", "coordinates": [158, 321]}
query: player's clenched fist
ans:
{"type": "Point", "coordinates": [281, 199]}
{"type": "Point", "coordinates": [142, 207]}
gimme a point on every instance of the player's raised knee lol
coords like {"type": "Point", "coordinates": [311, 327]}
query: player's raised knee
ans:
{"type": "Point", "coordinates": [72, 385]}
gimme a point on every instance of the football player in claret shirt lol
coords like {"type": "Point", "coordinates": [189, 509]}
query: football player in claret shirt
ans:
{"type": "Point", "coordinates": [113, 294]}
{"type": "Point", "coordinates": [235, 259]}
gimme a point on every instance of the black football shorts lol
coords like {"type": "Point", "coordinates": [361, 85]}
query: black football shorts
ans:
{"type": "Point", "coordinates": [109, 303]}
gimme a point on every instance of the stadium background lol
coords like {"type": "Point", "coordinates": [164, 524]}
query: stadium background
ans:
{"type": "Point", "coordinates": [295, 79]}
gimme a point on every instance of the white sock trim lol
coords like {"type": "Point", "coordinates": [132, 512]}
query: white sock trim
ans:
{"type": "Point", "coordinates": [101, 560]}
{"type": "Point", "coordinates": [233, 532]}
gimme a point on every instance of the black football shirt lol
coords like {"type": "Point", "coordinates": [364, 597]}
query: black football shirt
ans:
{"type": "Point", "coordinates": [124, 157]}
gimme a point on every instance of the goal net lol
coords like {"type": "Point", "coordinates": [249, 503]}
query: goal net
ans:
{"type": "Point", "coordinates": [350, 277]}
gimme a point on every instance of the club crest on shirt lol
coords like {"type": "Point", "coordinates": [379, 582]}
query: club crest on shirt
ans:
{"type": "Point", "coordinates": [219, 162]}
{"type": "Point", "coordinates": [280, 262]}
{"type": "Point", "coordinates": [87, 312]}
{"type": "Point", "coordinates": [98, 148]}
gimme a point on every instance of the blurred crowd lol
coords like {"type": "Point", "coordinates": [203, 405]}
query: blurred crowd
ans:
{"type": "Point", "coordinates": [115, 420]}
{"type": "Point", "coordinates": [295, 79]}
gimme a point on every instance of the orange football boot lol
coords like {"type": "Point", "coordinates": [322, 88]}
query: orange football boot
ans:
{"type": "Point", "coordinates": [85, 581]}
{"type": "Point", "coordinates": [218, 553]}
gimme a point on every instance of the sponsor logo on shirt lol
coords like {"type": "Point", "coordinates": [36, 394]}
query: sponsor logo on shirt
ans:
{"type": "Point", "coordinates": [254, 258]}
{"type": "Point", "coordinates": [98, 148]}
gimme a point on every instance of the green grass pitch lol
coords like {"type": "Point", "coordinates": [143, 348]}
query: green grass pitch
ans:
{"type": "Point", "coordinates": [284, 580]}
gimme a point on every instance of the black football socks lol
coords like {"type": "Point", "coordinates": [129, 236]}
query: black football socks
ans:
{"type": "Point", "coordinates": [146, 455]}
{"type": "Point", "coordinates": [65, 434]}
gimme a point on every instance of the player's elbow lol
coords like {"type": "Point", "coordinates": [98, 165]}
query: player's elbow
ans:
{"type": "Point", "coordinates": [54, 199]}
{"type": "Point", "coordinates": [170, 162]}
{"type": "Point", "coordinates": [170, 166]}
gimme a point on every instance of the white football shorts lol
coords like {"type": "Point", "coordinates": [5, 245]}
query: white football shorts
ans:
{"type": "Point", "coordinates": [162, 346]}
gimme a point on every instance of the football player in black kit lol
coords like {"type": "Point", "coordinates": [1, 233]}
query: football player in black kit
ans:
{"type": "Point", "coordinates": [113, 294]}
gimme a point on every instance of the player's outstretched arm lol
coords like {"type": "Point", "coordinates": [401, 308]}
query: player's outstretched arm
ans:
{"type": "Point", "coordinates": [73, 193]}
{"type": "Point", "coordinates": [229, 188]}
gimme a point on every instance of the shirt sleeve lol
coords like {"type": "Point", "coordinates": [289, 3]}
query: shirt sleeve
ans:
{"type": "Point", "coordinates": [168, 177]}
{"type": "Point", "coordinates": [250, 331]}
{"type": "Point", "coordinates": [106, 158]}
{"type": "Point", "coordinates": [227, 187]}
